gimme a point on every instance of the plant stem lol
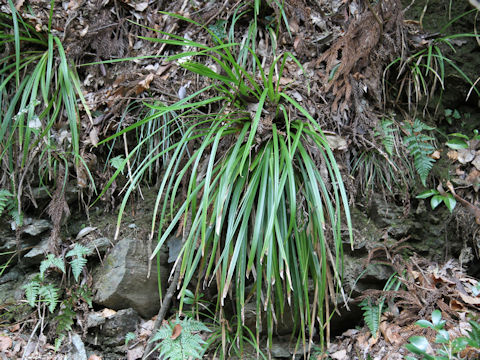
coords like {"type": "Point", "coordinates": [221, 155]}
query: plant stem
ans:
{"type": "Point", "coordinates": [168, 296]}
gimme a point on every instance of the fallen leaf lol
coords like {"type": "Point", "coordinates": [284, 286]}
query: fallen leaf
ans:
{"type": "Point", "coordinates": [106, 313]}
{"type": "Point", "coordinates": [465, 155]}
{"type": "Point", "coordinates": [177, 330]}
{"type": "Point", "coordinates": [94, 136]}
{"type": "Point", "coordinates": [391, 333]}
{"type": "Point", "coordinates": [141, 6]}
{"type": "Point", "coordinates": [19, 4]}
{"type": "Point", "coordinates": [435, 155]}
{"type": "Point", "coordinates": [5, 343]}
{"type": "Point", "coordinates": [452, 155]}
{"type": "Point", "coordinates": [457, 306]}
{"type": "Point", "coordinates": [470, 299]}
{"type": "Point", "coordinates": [339, 355]}
{"type": "Point", "coordinates": [474, 177]}
{"type": "Point", "coordinates": [135, 353]}
{"type": "Point", "coordinates": [476, 161]}
{"type": "Point", "coordinates": [84, 31]}
{"type": "Point", "coordinates": [14, 327]}
{"type": "Point", "coordinates": [73, 5]}
{"type": "Point", "coordinates": [144, 84]}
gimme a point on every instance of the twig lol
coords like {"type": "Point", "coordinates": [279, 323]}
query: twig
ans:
{"type": "Point", "coordinates": [168, 296]}
{"type": "Point", "coordinates": [162, 312]}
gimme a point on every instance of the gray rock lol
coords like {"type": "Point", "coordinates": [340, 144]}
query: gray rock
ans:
{"type": "Point", "coordinates": [280, 350]}
{"type": "Point", "coordinates": [29, 238]}
{"type": "Point", "coordinates": [100, 244]}
{"type": "Point", "coordinates": [122, 280]}
{"type": "Point", "coordinates": [36, 227]}
{"type": "Point", "coordinates": [37, 254]}
{"type": "Point", "coordinates": [94, 319]}
{"type": "Point", "coordinates": [78, 349]}
{"type": "Point", "coordinates": [116, 327]}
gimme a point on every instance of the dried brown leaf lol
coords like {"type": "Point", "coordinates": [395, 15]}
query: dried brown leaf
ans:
{"type": "Point", "coordinates": [177, 330]}
{"type": "Point", "coordinates": [5, 343]}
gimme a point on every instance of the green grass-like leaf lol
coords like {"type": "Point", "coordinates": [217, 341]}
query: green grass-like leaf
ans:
{"type": "Point", "coordinates": [238, 181]}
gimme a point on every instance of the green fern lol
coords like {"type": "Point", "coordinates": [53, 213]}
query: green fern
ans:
{"type": "Point", "coordinates": [387, 135]}
{"type": "Point", "coordinates": [187, 344]}
{"type": "Point", "coordinates": [371, 315]}
{"type": "Point", "coordinates": [51, 262]}
{"type": "Point", "coordinates": [130, 336]}
{"type": "Point", "coordinates": [5, 200]}
{"type": "Point", "coordinates": [65, 318]}
{"type": "Point", "coordinates": [49, 294]}
{"type": "Point", "coordinates": [78, 262]}
{"type": "Point", "coordinates": [83, 293]}
{"type": "Point", "coordinates": [420, 147]}
{"type": "Point", "coordinates": [17, 217]}
{"type": "Point", "coordinates": [32, 289]}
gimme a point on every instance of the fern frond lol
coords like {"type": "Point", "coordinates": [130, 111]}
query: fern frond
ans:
{"type": "Point", "coordinates": [419, 145]}
{"type": "Point", "coordinates": [387, 135]}
{"type": "Point", "coordinates": [32, 290]}
{"type": "Point", "coordinates": [51, 261]}
{"type": "Point", "coordinates": [130, 336]}
{"type": "Point", "coordinates": [371, 315]}
{"type": "Point", "coordinates": [79, 261]}
{"type": "Point", "coordinates": [58, 342]}
{"type": "Point", "coordinates": [17, 217]}
{"type": "Point", "coordinates": [5, 199]}
{"type": "Point", "coordinates": [78, 251]}
{"type": "Point", "coordinates": [50, 295]}
{"type": "Point", "coordinates": [84, 293]}
{"type": "Point", "coordinates": [65, 319]}
{"type": "Point", "coordinates": [188, 344]}
{"type": "Point", "coordinates": [77, 266]}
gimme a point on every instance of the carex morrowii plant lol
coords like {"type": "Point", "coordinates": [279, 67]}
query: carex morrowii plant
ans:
{"type": "Point", "coordinates": [39, 89]}
{"type": "Point", "coordinates": [254, 188]}
{"type": "Point", "coordinates": [420, 74]}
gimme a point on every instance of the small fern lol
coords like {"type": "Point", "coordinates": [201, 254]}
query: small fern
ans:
{"type": "Point", "coordinates": [420, 147]}
{"type": "Point", "coordinates": [36, 290]}
{"type": "Point", "coordinates": [130, 336]}
{"type": "Point", "coordinates": [51, 262]}
{"type": "Point", "coordinates": [50, 295]}
{"type": "Point", "coordinates": [371, 315]}
{"type": "Point", "coordinates": [64, 322]}
{"type": "Point", "coordinates": [5, 200]}
{"type": "Point", "coordinates": [78, 262]}
{"type": "Point", "coordinates": [386, 133]}
{"type": "Point", "coordinates": [83, 293]}
{"type": "Point", "coordinates": [180, 339]}
{"type": "Point", "coordinates": [32, 289]}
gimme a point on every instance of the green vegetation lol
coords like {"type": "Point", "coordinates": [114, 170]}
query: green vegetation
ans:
{"type": "Point", "coordinates": [252, 175]}
{"type": "Point", "coordinates": [420, 146]}
{"type": "Point", "coordinates": [421, 72]}
{"type": "Point", "coordinates": [36, 92]}
{"type": "Point", "coordinates": [242, 168]}
{"type": "Point", "coordinates": [437, 198]}
{"type": "Point", "coordinates": [447, 349]}
{"type": "Point", "coordinates": [42, 294]}
{"type": "Point", "coordinates": [180, 340]}
{"type": "Point", "coordinates": [372, 312]}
